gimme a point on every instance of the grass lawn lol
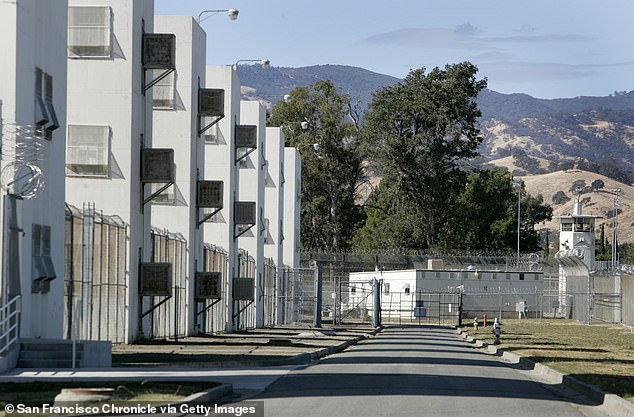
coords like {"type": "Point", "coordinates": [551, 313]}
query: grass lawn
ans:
{"type": "Point", "coordinates": [602, 355]}
{"type": "Point", "coordinates": [37, 393]}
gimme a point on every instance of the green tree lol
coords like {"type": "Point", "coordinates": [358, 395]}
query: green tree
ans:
{"type": "Point", "coordinates": [331, 166]}
{"type": "Point", "coordinates": [560, 197]}
{"type": "Point", "coordinates": [485, 216]}
{"type": "Point", "coordinates": [416, 133]}
{"type": "Point", "coordinates": [597, 184]}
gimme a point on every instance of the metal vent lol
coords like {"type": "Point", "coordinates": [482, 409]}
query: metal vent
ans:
{"type": "Point", "coordinates": [243, 289]}
{"type": "Point", "coordinates": [208, 285]}
{"type": "Point", "coordinates": [210, 194]}
{"type": "Point", "coordinates": [244, 212]}
{"type": "Point", "coordinates": [246, 136]}
{"type": "Point", "coordinates": [211, 102]}
{"type": "Point", "coordinates": [159, 51]}
{"type": "Point", "coordinates": [157, 165]}
{"type": "Point", "coordinates": [155, 279]}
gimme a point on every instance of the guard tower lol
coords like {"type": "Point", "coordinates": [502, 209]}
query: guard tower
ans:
{"type": "Point", "coordinates": [576, 232]}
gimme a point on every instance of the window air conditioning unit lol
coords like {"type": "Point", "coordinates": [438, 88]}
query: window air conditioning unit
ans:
{"type": "Point", "coordinates": [155, 279]}
{"type": "Point", "coordinates": [243, 289]}
{"type": "Point", "coordinates": [208, 285]}
{"type": "Point", "coordinates": [210, 194]}
{"type": "Point", "coordinates": [159, 51]}
{"type": "Point", "coordinates": [157, 165]}
{"type": "Point", "coordinates": [246, 136]}
{"type": "Point", "coordinates": [211, 102]}
{"type": "Point", "coordinates": [244, 212]}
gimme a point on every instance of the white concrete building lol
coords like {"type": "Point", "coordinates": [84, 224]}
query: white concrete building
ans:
{"type": "Point", "coordinates": [252, 175]}
{"type": "Point", "coordinates": [292, 207]}
{"type": "Point", "coordinates": [33, 119]}
{"type": "Point", "coordinates": [576, 240]}
{"type": "Point", "coordinates": [577, 231]}
{"type": "Point", "coordinates": [220, 164]}
{"type": "Point", "coordinates": [110, 121]}
{"type": "Point", "coordinates": [176, 125]}
{"type": "Point", "coordinates": [274, 209]}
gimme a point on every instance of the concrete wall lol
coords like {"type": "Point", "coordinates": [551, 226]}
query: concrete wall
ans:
{"type": "Point", "coordinates": [220, 165]}
{"type": "Point", "coordinates": [274, 185]}
{"type": "Point", "coordinates": [34, 35]}
{"type": "Point", "coordinates": [110, 92]}
{"type": "Point", "coordinates": [177, 128]}
{"type": "Point", "coordinates": [292, 207]}
{"type": "Point", "coordinates": [252, 171]}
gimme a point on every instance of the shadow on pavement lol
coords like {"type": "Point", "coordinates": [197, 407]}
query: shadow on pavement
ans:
{"type": "Point", "coordinates": [353, 384]}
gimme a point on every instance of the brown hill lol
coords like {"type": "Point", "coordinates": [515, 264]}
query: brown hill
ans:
{"type": "Point", "coordinates": [599, 203]}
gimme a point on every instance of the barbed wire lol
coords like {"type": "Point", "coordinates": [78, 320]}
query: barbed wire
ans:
{"type": "Point", "coordinates": [22, 143]}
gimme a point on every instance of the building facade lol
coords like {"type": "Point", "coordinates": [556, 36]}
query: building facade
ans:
{"type": "Point", "coordinates": [110, 127]}
{"type": "Point", "coordinates": [33, 116]}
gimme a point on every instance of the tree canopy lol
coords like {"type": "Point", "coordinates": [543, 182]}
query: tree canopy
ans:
{"type": "Point", "coordinates": [331, 165]}
{"type": "Point", "coordinates": [416, 133]}
{"type": "Point", "coordinates": [419, 137]}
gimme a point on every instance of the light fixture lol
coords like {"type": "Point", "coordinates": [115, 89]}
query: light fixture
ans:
{"type": "Point", "coordinates": [265, 63]}
{"type": "Point", "coordinates": [517, 183]}
{"type": "Point", "coordinates": [232, 13]}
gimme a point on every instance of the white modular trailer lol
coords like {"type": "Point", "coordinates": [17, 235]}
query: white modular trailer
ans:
{"type": "Point", "coordinates": [400, 290]}
{"type": "Point", "coordinates": [33, 122]}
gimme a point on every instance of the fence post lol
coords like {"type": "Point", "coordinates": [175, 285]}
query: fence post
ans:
{"type": "Point", "coordinates": [376, 306]}
{"type": "Point", "coordinates": [318, 295]}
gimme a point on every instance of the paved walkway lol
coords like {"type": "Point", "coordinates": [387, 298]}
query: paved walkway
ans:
{"type": "Point", "coordinates": [249, 361]}
{"type": "Point", "coordinates": [422, 371]}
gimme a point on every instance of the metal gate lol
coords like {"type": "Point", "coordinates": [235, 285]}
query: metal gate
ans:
{"type": "Point", "coordinates": [420, 308]}
{"type": "Point", "coordinates": [405, 307]}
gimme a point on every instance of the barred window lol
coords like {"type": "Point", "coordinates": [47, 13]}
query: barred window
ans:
{"type": "Point", "coordinates": [89, 32]}
{"type": "Point", "coordinates": [164, 91]}
{"type": "Point", "coordinates": [88, 150]}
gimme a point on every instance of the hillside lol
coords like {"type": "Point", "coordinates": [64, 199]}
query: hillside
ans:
{"type": "Point", "coordinates": [598, 136]}
{"type": "Point", "coordinates": [553, 135]}
{"type": "Point", "coordinates": [271, 84]}
{"type": "Point", "coordinates": [600, 203]}
{"type": "Point", "coordinates": [591, 133]}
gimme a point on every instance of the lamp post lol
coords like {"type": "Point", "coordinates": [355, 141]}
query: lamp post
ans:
{"type": "Point", "coordinates": [231, 13]}
{"type": "Point", "coordinates": [265, 63]}
{"type": "Point", "coordinates": [517, 183]}
{"type": "Point", "coordinates": [615, 223]}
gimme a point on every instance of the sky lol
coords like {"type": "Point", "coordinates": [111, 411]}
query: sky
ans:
{"type": "Point", "coordinates": [544, 48]}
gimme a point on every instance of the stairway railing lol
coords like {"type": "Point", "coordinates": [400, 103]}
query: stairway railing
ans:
{"type": "Point", "coordinates": [10, 323]}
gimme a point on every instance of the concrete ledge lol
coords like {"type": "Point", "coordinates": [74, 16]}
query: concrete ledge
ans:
{"type": "Point", "coordinates": [10, 359]}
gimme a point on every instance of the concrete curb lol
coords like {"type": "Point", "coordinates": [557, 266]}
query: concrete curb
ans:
{"type": "Point", "coordinates": [611, 402]}
{"type": "Point", "coordinates": [208, 396]}
{"type": "Point", "coordinates": [291, 360]}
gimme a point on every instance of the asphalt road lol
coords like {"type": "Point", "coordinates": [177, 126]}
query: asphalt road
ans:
{"type": "Point", "coordinates": [417, 371]}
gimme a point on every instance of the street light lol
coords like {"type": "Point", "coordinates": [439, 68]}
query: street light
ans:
{"type": "Point", "coordinates": [517, 183]}
{"type": "Point", "coordinates": [232, 13]}
{"type": "Point", "coordinates": [615, 223]}
{"type": "Point", "coordinates": [265, 63]}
